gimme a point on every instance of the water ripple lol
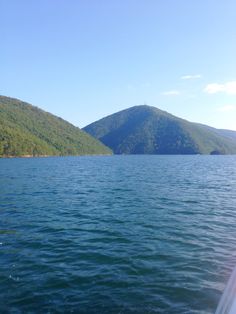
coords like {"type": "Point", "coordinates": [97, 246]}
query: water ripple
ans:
{"type": "Point", "coordinates": [120, 234]}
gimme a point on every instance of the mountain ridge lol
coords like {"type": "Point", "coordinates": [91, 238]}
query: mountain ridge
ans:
{"type": "Point", "coordinates": [26, 130]}
{"type": "Point", "coordinates": [148, 130]}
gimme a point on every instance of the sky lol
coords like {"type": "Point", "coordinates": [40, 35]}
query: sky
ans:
{"type": "Point", "coordinates": [85, 59]}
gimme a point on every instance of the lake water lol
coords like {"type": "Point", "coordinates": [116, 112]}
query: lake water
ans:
{"type": "Point", "coordinates": [116, 234]}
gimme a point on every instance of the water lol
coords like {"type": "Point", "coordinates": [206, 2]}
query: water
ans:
{"type": "Point", "coordinates": [119, 234]}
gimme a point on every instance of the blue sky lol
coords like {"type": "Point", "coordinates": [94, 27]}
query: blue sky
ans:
{"type": "Point", "coordinates": [85, 59]}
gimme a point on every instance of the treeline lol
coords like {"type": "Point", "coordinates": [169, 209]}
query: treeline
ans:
{"type": "Point", "coordinates": [28, 130]}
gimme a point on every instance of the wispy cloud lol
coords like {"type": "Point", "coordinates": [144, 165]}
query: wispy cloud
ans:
{"type": "Point", "coordinates": [171, 93]}
{"type": "Point", "coordinates": [191, 77]}
{"type": "Point", "coordinates": [227, 88]}
{"type": "Point", "coordinates": [227, 108]}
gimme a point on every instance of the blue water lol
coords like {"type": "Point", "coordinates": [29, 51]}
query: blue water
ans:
{"type": "Point", "coordinates": [118, 234]}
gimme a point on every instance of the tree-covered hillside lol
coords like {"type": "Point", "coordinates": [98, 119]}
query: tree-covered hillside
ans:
{"type": "Point", "coordinates": [28, 130]}
{"type": "Point", "coordinates": [148, 130]}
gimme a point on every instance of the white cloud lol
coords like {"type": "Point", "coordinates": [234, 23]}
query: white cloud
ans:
{"type": "Point", "coordinates": [228, 88]}
{"type": "Point", "coordinates": [214, 88]}
{"type": "Point", "coordinates": [191, 77]}
{"type": "Point", "coordinates": [227, 108]}
{"type": "Point", "coordinates": [171, 93]}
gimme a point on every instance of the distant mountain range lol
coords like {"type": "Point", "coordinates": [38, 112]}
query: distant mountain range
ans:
{"type": "Point", "coordinates": [26, 130]}
{"type": "Point", "coordinates": [148, 130]}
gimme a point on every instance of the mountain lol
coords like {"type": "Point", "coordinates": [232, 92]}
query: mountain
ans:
{"type": "Point", "coordinates": [28, 130]}
{"type": "Point", "coordinates": [148, 130]}
{"type": "Point", "coordinates": [227, 133]}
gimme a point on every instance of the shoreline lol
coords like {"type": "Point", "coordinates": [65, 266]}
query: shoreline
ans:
{"type": "Point", "coordinates": [46, 156]}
